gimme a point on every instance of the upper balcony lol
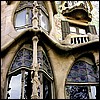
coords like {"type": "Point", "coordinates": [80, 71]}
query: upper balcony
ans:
{"type": "Point", "coordinates": [78, 10]}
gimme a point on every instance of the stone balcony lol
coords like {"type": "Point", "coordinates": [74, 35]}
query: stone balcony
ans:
{"type": "Point", "coordinates": [73, 39]}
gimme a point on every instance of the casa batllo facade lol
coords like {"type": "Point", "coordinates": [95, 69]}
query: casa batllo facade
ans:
{"type": "Point", "coordinates": [48, 50]}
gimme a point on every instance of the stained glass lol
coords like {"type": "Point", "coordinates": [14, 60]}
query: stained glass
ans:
{"type": "Point", "coordinates": [78, 92]}
{"type": "Point", "coordinates": [82, 72]}
{"type": "Point", "coordinates": [46, 88]}
{"type": "Point", "coordinates": [46, 65]}
{"type": "Point", "coordinates": [40, 58]}
{"type": "Point", "coordinates": [22, 59]}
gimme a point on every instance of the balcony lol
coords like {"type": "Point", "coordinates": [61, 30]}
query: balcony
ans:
{"type": "Point", "coordinates": [73, 39]}
{"type": "Point", "coordinates": [79, 39]}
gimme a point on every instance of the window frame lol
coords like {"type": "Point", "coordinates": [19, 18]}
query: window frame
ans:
{"type": "Point", "coordinates": [29, 20]}
{"type": "Point", "coordinates": [87, 84]}
{"type": "Point", "coordinates": [18, 70]}
{"type": "Point", "coordinates": [42, 9]}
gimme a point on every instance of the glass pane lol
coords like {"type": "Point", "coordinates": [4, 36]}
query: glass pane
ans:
{"type": "Point", "coordinates": [93, 92]}
{"type": "Point", "coordinates": [20, 18]}
{"type": "Point", "coordinates": [23, 58]}
{"type": "Point", "coordinates": [15, 85]}
{"type": "Point", "coordinates": [46, 88]}
{"type": "Point", "coordinates": [72, 29]}
{"type": "Point", "coordinates": [46, 65]}
{"type": "Point", "coordinates": [30, 16]}
{"type": "Point", "coordinates": [82, 72]}
{"type": "Point", "coordinates": [82, 31]}
{"type": "Point", "coordinates": [77, 92]}
{"type": "Point", "coordinates": [44, 21]}
{"type": "Point", "coordinates": [81, 92]}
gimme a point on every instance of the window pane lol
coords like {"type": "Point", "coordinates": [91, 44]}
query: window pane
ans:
{"type": "Point", "coordinates": [93, 92]}
{"type": "Point", "coordinates": [77, 92]}
{"type": "Point", "coordinates": [72, 29]}
{"type": "Point", "coordinates": [15, 85]}
{"type": "Point", "coordinates": [82, 72]}
{"type": "Point", "coordinates": [23, 59]}
{"type": "Point", "coordinates": [82, 31]}
{"type": "Point", "coordinates": [30, 16]}
{"type": "Point", "coordinates": [81, 92]}
{"type": "Point", "coordinates": [20, 18]}
{"type": "Point", "coordinates": [46, 88]}
{"type": "Point", "coordinates": [44, 21]}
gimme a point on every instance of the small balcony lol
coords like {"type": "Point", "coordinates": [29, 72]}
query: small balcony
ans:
{"type": "Point", "coordinates": [73, 39]}
{"type": "Point", "coordinates": [79, 39]}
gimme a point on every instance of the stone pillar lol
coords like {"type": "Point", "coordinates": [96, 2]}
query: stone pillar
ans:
{"type": "Point", "coordinates": [35, 19]}
{"type": "Point", "coordinates": [35, 68]}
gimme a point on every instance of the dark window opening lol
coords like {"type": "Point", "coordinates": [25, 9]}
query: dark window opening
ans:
{"type": "Point", "coordinates": [46, 88]}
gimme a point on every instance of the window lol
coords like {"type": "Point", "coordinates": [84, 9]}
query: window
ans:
{"type": "Point", "coordinates": [82, 81]}
{"type": "Point", "coordinates": [24, 14]}
{"type": "Point", "coordinates": [19, 76]}
{"type": "Point", "coordinates": [81, 30]}
{"type": "Point", "coordinates": [44, 18]}
{"type": "Point", "coordinates": [68, 28]}
{"type": "Point", "coordinates": [44, 21]}
{"type": "Point", "coordinates": [72, 29]}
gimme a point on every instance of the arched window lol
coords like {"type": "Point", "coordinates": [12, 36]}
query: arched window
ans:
{"type": "Point", "coordinates": [82, 80]}
{"type": "Point", "coordinates": [19, 75]}
{"type": "Point", "coordinates": [24, 15]}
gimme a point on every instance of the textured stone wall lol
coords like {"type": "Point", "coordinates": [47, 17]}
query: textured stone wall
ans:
{"type": "Point", "coordinates": [95, 15]}
{"type": "Point", "coordinates": [3, 16]}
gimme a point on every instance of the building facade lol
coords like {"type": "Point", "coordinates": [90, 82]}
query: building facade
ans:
{"type": "Point", "coordinates": [49, 50]}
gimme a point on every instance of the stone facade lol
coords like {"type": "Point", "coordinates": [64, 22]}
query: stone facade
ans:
{"type": "Point", "coordinates": [62, 55]}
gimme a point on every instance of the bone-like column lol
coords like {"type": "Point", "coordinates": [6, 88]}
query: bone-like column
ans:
{"type": "Point", "coordinates": [35, 67]}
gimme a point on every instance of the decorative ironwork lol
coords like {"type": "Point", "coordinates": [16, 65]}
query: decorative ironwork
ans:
{"type": "Point", "coordinates": [78, 92]}
{"type": "Point", "coordinates": [46, 65]}
{"type": "Point", "coordinates": [23, 59]}
{"type": "Point", "coordinates": [82, 72]}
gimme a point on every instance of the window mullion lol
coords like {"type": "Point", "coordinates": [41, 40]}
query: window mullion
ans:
{"type": "Point", "coordinates": [77, 30]}
{"type": "Point", "coordinates": [27, 16]}
{"type": "Point", "coordinates": [89, 91]}
{"type": "Point", "coordinates": [22, 83]}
